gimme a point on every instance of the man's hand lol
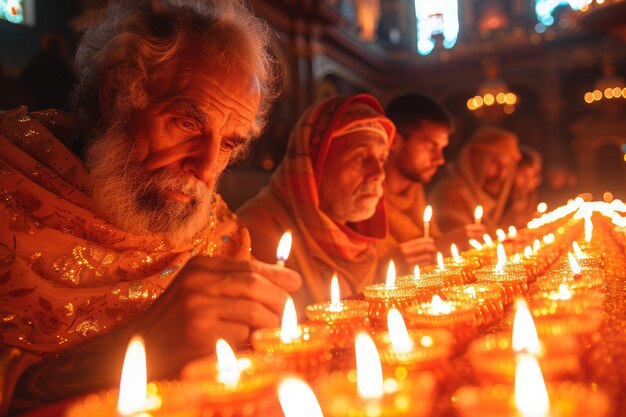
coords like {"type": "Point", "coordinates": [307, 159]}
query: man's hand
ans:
{"type": "Point", "coordinates": [461, 236]}
{"type": "Point", "coordinates": [213, 299]}
{"type": "Point", "coordinates": [420, 251]}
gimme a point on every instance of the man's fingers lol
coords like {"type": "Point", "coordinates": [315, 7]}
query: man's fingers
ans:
{"type": "Point", "coordinates": [286, 278]}
{"type": "Point", "coordinates": [250, 313]}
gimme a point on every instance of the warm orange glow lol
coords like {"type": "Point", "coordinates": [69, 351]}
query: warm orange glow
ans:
{"type": "Point", "coordinates": [536, 245]}
{"type": "Point", "coordinates": [369, 372]}
{"type": "Point", "coordinates": [289, 329]}
{"type": "Point", "coordinates": [501, 253]}
{"type": "Point", "coordinates": [471, 291]}
{"type": "Point", "coordinates": [577, 250]}
{"type": "Point", "coordinates": [531, 395]}
{"type": "Point", "coordinates": [391, 275]}
{"type": "Point", "coordinates": [298, 399]}
{"type": "Point", "coordinates": [500, 235]}
{"type": "Point", "coordinates": [399, 336]}
{"type": "Point", "coordinates": [563, 294]}
{"type": "Point", "coordinates": [512, 231]}
{"type": "Point", "coordinates": [478, 214]}
{"type": "Point", "coordinates": [284, 247]}
{"type": "Point", "coordinates": [335, 299]}
{"type": "Point", "coordinates": [517, 258]}
{"type": "Point", "coordinates": [133, 397]}
{"type": "Point", "coordinates": [438, 306]}
{"type": "Point", "coordinates": [228, 371]}
{"type": "Point", "coordinates": [428, 214]}
{"type": "Point", "coordinates": [440, 263]}
{"type": "Point", "coordinates": [542, 207]}
{"type": "Point", "coordinates": [488, 240]}
{"type": "Point", "coordinates": [528, 252]}
{"type": "Point", "coordinates": [525, 337]}
{"type": "Point", "coordinates": [588, 229]}
{"type": "Point", "coordinates": [475, 244]}
{"type": "Point", "coordinates": [416, 272]}
{"type": "Point", "coordinates": [455, 254]}
{"type": "Point", "coordinates": [573, 264]}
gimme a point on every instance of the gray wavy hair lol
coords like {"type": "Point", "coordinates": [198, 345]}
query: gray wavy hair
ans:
{"type": "Point", "coordinates": [140, 39]}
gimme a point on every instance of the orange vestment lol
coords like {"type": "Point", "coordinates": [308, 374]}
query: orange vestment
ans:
{"type": "Point", "coordinates": [66, 274]}
{"type": "Point", "coordinates": [405, 215]}
{"type": "Point", "coordinates": [459, 192]}
{"type": "Point", "coordinates": [290, 202]}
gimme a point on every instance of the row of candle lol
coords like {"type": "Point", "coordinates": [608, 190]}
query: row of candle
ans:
{"type": "Point", "coordinates": [241, 387]}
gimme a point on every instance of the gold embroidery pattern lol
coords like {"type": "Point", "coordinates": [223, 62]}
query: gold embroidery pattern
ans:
{"type": "Point", "coordinates": [86, 265]}
{"type": "Point", "coordinates": [88, 328]}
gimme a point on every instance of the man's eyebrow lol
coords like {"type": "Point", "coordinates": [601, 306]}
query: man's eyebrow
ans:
{"type": "Point", "coordinates": [237, 140]}
{"type": "Point", "coordinates": [188, 109]}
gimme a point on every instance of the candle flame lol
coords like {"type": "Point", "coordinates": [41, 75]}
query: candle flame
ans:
{"type": "Point", "coordinates": [488, 240]}
{"type": "Point", "coordinates": [549, 238]}
{"type": "Point", "coordinates": [369, 372]}
{"type": "Point", "coordinates": [391, 275]}
{"type": "Point", "coordinates": [399, 336]}
{"type": "Point", "coordinates": [428, 214]}
{"type": "Point", "coordinates": [133, 396]}
{"type": "Point", "coordinates": [536, 245]}
{"type": "Point", "coordinates": [525, 337]}
{"type": "Point", "coordinates": [440, 263]}
{"type": "Point", "coordinates": [531, 395]}
{"type": "Point", "coordinates": [471, 291]}
{"type": "Point", "coordinates": [335, 299]}
{"type": "Point", "coordinates": [512, 231]}
{"type": "Point", "coordinates": [516, 258]}
{"type": "Point", "coordinates": [228, 371]}
{"type": "Point", "coordinates": [573, 264]}
{"type": "Point", "coordinates": [500, 235]}
{"type": "Point", "coordinates": [528, 252]}
{"type": "Point", "coordinates": [475, 244]}
{"type": "Point", "coordinates": [284, 247]}
{"type": "Point", "coordinates": [416, 272]}
{"type": "Point", "coordinates": [501, 253]}
{"type": "Point", "coordinates": [289, 328]}
{"type": "Point", "coordinates": [577, 250]}
{"type": "Point", "coordinates": [298, 399]}
{"type": "Point", "coordinates": [588, 229]}
{"type": "Point", "coordinates": [438, 306]}
{"type": "Point", "coordinates": [478, 213]}
{"type": "Point", "coordinates": [563, 294]}
{"type": "Point", "coordinates": [542, 207]}
{"type": "Point", "coordinates": [455, 254]}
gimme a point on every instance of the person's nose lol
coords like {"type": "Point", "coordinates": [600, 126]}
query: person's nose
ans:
{"type": "Point", "coordinates": [203, 160]}
{"type": "Point", "coordinates": [438, 159]}
{"type": "Point", "coordinates": [376, 170]}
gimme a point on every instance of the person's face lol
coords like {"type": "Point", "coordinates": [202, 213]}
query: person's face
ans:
{"type": "Point", "coordinates": [419, 155]}
{"type": "Point", "coordinates": [496, 171]}
{"type": "Point", "coordinates": [528, 178]}
{"type": "Point", "coordinates": [352, 181]}
{"type": "Point", "coordinates": [196, 124]}
{"type": "Point", "coordinates": [157, 172]}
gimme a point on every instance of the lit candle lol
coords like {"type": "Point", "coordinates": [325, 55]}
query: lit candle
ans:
{"type": "Point", "coordinates": [341, 317]}
{"type": "Point", "coordinates": [133, 397]}
{"type": "Point", "coordinates": [512, 231]}
{"type": "Point", "coordinates": [428, 214]}
{"type": "Point", "coordinates": [398, 334]}
{"type": "Point", "coordinates": [455, 254]}
{"type": "Point", "coordinates": [500, 235]}
{"type": "Point", "coordinates": [228, 370]}
{"type": "Point", "coordinates": [284, 247]}
{"type": "Point", "coordinates": [303, 347]}
{"type": "Point", "coordinates": [525, 339]}
{"type": "Point", "coordinates": [478, 214]}
{"type": "Point", "coordinates": [475, 244]}
{"type": "Point", "coordinates": [574, 265]}
{"type": "Point", "coordinates": [487, 296]}
{"type": "Point", "coordinates": [298, 399]}
{"type": "Point", "coordinates": [440, 263]}
{"type": "Point", "coordinates": [531, 394]}
{"type": "Point", "coordinates": [542, 207]}
{"type": "Point", "coordinates": [416, 272]}
{"type": "Point", "coordinates": [588, 229]}
{"type": "Point", "coordinates": [382, 297]}
{"type": "Point", "coordinates": [487, 239]}
{"type": "Point", "coordinates": [579, 253]}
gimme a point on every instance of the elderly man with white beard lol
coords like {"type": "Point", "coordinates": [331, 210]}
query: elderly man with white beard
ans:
{"type": "Point", "coordinates": [124, 234]}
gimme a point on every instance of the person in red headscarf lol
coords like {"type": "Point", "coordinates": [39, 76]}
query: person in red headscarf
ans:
{"type": "Point", "coordinates": [327, 191]}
